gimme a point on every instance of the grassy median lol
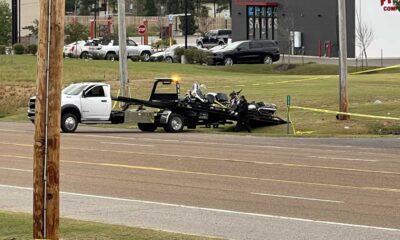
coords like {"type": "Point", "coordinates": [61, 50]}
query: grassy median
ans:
{"type": "Point", "coordinates": [18, 226]}
{"type": "Point", "coordinates": [310, 85]}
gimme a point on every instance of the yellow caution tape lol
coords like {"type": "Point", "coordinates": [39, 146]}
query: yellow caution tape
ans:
{"type": "Point", "coordinates": [343, 113]}
{"type": "Point", "coordinates": [115, 102]}
{"type": "Point", "coordinates": [376, 70]}
{"type": "Point", "coordinates": [294, 128]}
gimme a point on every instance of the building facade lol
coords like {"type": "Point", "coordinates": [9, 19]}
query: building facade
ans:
{"type": "Point", "coordinates": [382, 18]}
{"type": "Point", "coordinates": [299, 26]}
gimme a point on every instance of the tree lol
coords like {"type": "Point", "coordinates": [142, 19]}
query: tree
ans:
{"type": "Point", "coordinates": [86, 6]}
{"type": "Point", "coordinates": [204, 20]}
{"type": "Point", "coordinates": [364, 36]}
{"type": "Point", "coordinates": [34, 29]}
{"type": "Point", "coordinates": [150, 8]}
{"type": "Point", "coordinates": [75, 31]}
{"type": "Point", "coordinates": [5, 22]}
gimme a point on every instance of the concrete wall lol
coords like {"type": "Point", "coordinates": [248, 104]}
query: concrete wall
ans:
{"type": "Point", "coordinates": [316, 19]}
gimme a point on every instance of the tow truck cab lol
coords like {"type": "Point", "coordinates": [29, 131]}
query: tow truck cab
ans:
{"type": "Point", "coordinates": [83, 103]}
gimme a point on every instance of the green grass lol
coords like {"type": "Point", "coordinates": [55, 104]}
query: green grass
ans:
{"type": "Point", "coordinates": [18, 226]}
{"type": "Point", "coordinates": [310, 85]}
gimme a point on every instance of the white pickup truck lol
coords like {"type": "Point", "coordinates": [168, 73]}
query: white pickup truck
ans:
{"type": "Point", "coordinates": [110, 50]}
{"type": "Point", "coordinates": [91, 103]}
{"type": "Point", "coordinates": [84, 103]}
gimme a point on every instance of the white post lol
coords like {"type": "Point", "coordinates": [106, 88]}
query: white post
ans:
{"type": "Point", "coordinates": [123, 55]}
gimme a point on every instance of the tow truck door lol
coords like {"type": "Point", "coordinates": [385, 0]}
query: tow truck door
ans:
{"type": "Point", "coordinates": [96, 104]}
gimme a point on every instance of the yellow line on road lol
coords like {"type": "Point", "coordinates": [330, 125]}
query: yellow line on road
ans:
{"type": "Point", "coordinates": [15, 156]}
{"type": "Point", "coordinates": [238, 160]}
{"type": "Point", "coordinates": [233, 176]}
{"type": "Point", "coordinates": [17, 144]}
{"type": "Point", "coordinates": [144, 168]}
{"type": "Point", "coordinates": [231, 160]}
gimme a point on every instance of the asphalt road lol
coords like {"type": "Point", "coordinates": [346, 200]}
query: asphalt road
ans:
{"type": "Point", "coordinates": [231, 186]}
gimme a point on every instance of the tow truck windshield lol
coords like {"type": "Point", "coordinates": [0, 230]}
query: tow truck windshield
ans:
{"type": "Point", "coordinates": [74, 89]}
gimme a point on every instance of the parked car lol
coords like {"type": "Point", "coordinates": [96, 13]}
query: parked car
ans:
{"type": "Point", "coordinates": [170, 56]}
{"type": "Point", "coordinates": [214, 38]}
{"type": "Point", "coordinates": [110, 50]}
{"type": "Point", "coordinates": [84, 50]}
{"type": "Point", "coordinates": [157, 57]}
{"type": "Point", "coordinates": [71, 50]}
{"type": "Point", "coordinates": [250, 51]}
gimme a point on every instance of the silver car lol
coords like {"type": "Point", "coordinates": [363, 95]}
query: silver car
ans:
{"type": "Point", "coordinates": [169, 55]}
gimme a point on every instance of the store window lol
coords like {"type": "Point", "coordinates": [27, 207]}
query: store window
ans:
{"type": "Point", "coordinates": [262, 22]}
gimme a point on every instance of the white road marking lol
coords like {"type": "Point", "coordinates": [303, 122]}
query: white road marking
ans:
{"type": "Point", "coordinates": [300, 198]}
{"type": "Point", "coordinates": [127, 144]}
{"type": "Point", "coordinates": [345, 159]}
{"type": "Point", "coordinates": [15, 169]}
{"type": "Point", "coordinates": [212, 210]}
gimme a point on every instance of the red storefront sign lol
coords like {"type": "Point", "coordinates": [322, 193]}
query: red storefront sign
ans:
{"type": "Point", "coordinates": [388, 5]}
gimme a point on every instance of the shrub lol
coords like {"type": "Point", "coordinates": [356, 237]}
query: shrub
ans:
{"type": "Point", "coordinates": [189, 54]}
{"type": "Point", "coordinates": [198, 56]}
{"type": "Point", "coordinates": [202, 57]}
{"type": "Point", "coordinates": [179, 52]}
{"type": "Point", "coordinates": [163, 43]}
{"type": "Point", "coordinates": [2, 49]}
{"type": "Point", "coordinates": [31, 49]}
{"type": "Point", "coordinates": [19, 49]}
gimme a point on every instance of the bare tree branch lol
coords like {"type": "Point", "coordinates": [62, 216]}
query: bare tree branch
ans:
{"type": "Point", "coordinates": [364, 36]}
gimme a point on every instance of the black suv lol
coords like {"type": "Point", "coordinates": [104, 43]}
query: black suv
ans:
{"type": "Point", "coordinates": [250, 51]}
{"type": "Point", "coordinates": [214, 37]}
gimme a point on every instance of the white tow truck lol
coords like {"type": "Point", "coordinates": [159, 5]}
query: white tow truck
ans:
{"type": "Point", "coordinates": [91, 103]}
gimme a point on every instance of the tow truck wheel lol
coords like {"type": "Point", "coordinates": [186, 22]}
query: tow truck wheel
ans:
{"type": "Point", "coordinates": [175, 123]}
{"type": "Point", "coordinates": [147, 127]}
{"type": "Point", "coordinates": [69, 123]}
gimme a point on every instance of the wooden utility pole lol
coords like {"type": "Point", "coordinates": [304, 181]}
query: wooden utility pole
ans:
{"type": "Point", "coordinates": [343, 105]}
{"type": "Point", "coordinates": [123, 55]}
{"type": "Point", "coordinates": [47, 120]}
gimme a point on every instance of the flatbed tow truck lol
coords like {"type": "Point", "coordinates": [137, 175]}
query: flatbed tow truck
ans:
{"type": "Point", "coordinates": [90, 103]}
